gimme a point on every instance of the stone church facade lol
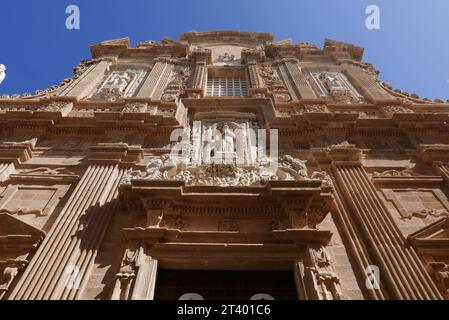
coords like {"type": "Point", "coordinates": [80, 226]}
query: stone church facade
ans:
{"type": "Point", "coordinates": [96, 205]}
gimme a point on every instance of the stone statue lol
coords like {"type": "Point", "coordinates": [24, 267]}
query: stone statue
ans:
{"type": "Point", "coordinates": [208, 142]}
{"type": "Point", "coordinates": [229, 137]}
{"type": "Point", "coordinates": [2, 73]}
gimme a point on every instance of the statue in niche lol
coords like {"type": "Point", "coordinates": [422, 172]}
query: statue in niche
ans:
{"type": "Point", "coordinates": [208, 143]}
{"type": "Point", "coordinates": [229, 138]}
{"type": "Point", "coordinates": [331, 82]}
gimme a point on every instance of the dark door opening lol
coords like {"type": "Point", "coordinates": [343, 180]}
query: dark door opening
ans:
{"type": "Point", "coordinates": [225, 285]}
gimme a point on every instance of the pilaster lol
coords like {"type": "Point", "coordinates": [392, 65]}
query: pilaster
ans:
{"type": "Point", "coordinates": [292, 74]}
{"type": "Point", "coordinates": [154, 85]}
{"type": "Point", "coordinates": [88, 81]}
{"type": "Point", "coordinates": [60, 268]}
{"type": "Point", "coordinates": [402, 275]}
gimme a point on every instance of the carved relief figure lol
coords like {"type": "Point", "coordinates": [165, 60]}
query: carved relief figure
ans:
{"type": "Point", "coordinates": [229, 137]}
{"type": "Point", "coordinates": [323, 280]}
{"type": "Point", "coordinates": [120, 84]}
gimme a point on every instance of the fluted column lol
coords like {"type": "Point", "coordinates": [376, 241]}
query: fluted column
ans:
{"type": "Point", "coordinates": [154, 85]}
{"type": "Point", "coordinates": [401, 271]}
{"type": "Point", "coordinates": [354, 243]}
{"type": "Point", "coordinates": [59, 268]}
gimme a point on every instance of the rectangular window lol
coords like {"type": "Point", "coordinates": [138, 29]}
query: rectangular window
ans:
{"type": "Point", "coordinates": [226, 87]}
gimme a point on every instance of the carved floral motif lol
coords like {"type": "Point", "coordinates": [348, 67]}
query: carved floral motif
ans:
{"type": "Point", "coordinates": [274, 83]}
{"type": "Point", "coordinates": [224, 175]}
{"type": "Point", "coordinates": [135, 108]}
{"type": "Point", "coordinates": [312, 108]}
{"type": "Point", "coordinates": [326, 180]}
{"type": "Point", "coordinates": [391, 110]}
{"type": "Point", "coordinates": [424, 213]}
{"type": "Point", "coordinates": [48, 171]}
{"type": "Point", "coordinates": [54, 107]}
{"type": "Point", "coordinates": [177, 85]}
{"type": "Point", "coordinates": [395, 173]}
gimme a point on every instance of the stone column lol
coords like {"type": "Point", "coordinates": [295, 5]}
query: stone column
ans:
{"type": "Point", "coordinates": [61, 266]}
{"type": "Point", "coordinates": [401, 271]}
{"type": "Point", "coordinates": [154, 85]}
{"type": "Point", "coordinates": [89, 80]}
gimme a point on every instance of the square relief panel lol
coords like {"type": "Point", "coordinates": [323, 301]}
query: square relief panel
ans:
{"type": "Point", "coordinates": [418, 203]}
{"type": "Point", "coordinates": [120, 84]}
{"type": "Point", "coordinates": [32, 204]}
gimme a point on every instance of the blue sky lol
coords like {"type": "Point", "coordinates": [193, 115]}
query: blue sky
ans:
{"type": "Point", "coordinates": [411, 49]}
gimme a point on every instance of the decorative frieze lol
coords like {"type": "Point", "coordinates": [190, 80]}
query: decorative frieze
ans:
{"type": "Point", "coordinates": [391, 110]}
{"type": "Point", "coordinates": [312, 108]}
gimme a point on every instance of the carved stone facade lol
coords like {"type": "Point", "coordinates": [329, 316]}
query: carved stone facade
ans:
{"type": "Point", "coordinates": [158, 161]}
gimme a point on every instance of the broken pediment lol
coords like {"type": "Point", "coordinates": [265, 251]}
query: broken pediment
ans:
{"type": "Point", "coordinates": [14, 232]}
{"type": "Point", "coordinates": [434, 236]}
